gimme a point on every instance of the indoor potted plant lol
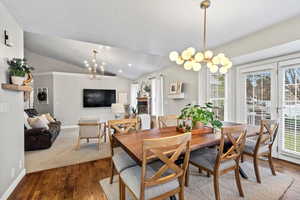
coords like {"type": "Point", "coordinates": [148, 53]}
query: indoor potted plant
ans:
{"type": "Point", "coordinates": [18, 70]}
{"type": "Point", "coordinates": [200, 116]}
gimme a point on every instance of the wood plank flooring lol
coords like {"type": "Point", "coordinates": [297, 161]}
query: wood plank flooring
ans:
{"type": "Point", "coordinates": [81, 182]}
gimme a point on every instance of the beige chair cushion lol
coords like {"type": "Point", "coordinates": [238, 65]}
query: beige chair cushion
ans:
{"type": "Point", "coordinates": [122, 160]}
{"type": "Point", "coordinates": [250, 146]}
{"type": "Point", "coordinates": [132, 178]}
{"type": "Point", "coordinates": [37, 123]}
{"type": "Point", "coordinates": [49, 117]}
{"type": "Point", "coordinates": [207, 158]}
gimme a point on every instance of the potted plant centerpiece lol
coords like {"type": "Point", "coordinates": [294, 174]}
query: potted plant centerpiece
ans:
{"type": "Point", "coordinates": [199, 116]}
{"type": "Point", "coordinates": [18, 70]}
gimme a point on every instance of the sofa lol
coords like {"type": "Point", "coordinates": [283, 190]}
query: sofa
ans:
{"type": "Point", "coordinates": [40, 138]}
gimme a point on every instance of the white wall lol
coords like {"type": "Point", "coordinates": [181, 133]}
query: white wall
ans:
{"type": "Point", "coordinates": [11, 120]}
{"type": "Point", "coordinates": [68, 97]}
{"type": "Point", "coordinates": [172, 74]}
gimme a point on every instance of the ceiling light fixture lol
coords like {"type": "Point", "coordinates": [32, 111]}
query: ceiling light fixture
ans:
{"type": "Point", "coordinates": [92, 66]}
{"type": "Point", "coordinates": [190, 59]}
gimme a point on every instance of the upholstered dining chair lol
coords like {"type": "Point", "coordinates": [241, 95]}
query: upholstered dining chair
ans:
{"type": "Point", "coordinates": [262, 145]}
{"type": "Point", "coordinates": [90, 128]}
{"type": "Point", "coordinates": [160, 181]}
{"type": "Point", "coordinates": [120, 159]}
{"type": "Point", "coordinates": [167, 120]}
{"type": "Point", "coordinates": [218, 162]}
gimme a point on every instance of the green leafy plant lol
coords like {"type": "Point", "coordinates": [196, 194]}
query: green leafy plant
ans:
{"type": "Point", "coordinates": [202, 114]}
{"type": "Point", "coordinates": [19, 67]}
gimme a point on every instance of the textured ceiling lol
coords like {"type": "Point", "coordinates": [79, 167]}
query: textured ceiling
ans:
{"type": "Point", "coordinates": [149, 27]}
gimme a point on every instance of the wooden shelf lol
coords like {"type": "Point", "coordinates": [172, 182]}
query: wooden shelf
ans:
{"type": "Point", "coordinates": [16, 87]}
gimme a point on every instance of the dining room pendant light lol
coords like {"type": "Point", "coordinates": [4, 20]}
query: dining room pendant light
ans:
{"type": "Point", "coordinates": [191, 59]}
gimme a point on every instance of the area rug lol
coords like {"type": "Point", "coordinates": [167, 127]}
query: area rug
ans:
{"type": "Point", "coordinates": [201, 187]}
{"type": "Point", "coordinates": [63, 153]}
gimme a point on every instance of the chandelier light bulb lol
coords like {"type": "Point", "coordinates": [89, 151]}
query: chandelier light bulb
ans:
{"type": "Point", "coordinates": [228, 65]}
{"type": "Point", "coordinates": [209, 65]}
{"type": "Point", "coordinates": [90, 69]}
{"type": "Point", "coordinates": [196, 67]}
{"type": "Point", "coordinates": [85, 62]}
{"type": "Point", "coordinates": [214, 69]}
{"type": "Point", "coordinates": [208, 54]}
{"type": "Point", "coordinates": [223, 70]}
{"type": "Point", "coordinates": [216, 60]}
{"type": "Point", "coordinates": [191, 50]}
{"type": "Point", "coordinates": [94, 60]}
{"type": "Point", "coordinates": [221, 55]}
{"type": "Point", "coordinates": [199, 57]}
{"type": "Point", "coordinates": [186, 55]}
{"type": "Point", "coordinates": [95, 65]}
{"type": "Point", "coordinates": [173, 56]}
{"type": "Point", "coordinates": [188, 65]}
{"type": "Point", "coordinates": [179, 61]}
{"type": "Point", "coordinates": [224, 61]}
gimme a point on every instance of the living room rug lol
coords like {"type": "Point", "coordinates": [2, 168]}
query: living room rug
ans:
{"type": "Point", "coordinates": [63, 152]}
{"type": "Point", "coordinates": [201, 187]}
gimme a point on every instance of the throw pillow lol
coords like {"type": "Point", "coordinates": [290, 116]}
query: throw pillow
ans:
{"type": "Point", "coordinates": [37, 123]}
{"type": "Point", "coordinates": [27, 125]}
{"type": "Point", "coordinates": [44, 119]}
{"type": "Point", "coordinates": [49, 117]}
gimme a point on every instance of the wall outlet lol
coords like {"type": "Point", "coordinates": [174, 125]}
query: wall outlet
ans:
{"type": "Point", "coordinates": [13, 172]}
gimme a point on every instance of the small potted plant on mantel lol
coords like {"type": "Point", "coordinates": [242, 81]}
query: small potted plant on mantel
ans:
{"type": "Point", "coordinates": [19, 70]}
{"type": "Point", "coordinates": [199, 117]}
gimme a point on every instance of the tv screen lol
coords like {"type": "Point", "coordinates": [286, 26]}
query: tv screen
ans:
{"type": "Point", "coordinates": [98, 98]}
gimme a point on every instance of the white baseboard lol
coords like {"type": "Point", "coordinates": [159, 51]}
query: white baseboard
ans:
{"type": "Point", "coordinates": [69, 126]}
{"type": "Point", "coordinates": [12, 187]}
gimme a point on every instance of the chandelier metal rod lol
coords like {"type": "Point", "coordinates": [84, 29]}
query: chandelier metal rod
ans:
{"type": "Point", "coordinates": [204, 30]}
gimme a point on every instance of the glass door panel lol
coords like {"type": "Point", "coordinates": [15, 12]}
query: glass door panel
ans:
{"type": "Point", "coordinates": [258, 97]}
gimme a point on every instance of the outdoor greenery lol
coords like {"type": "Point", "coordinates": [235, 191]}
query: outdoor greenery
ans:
{"type": "Point", "coordinates": [202, 114]}
{"type": "Point", "coordinates": [19, 67]}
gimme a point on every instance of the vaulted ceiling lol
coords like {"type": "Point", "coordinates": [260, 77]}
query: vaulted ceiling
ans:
{"type": "Point", "coordinates": [144, 27]}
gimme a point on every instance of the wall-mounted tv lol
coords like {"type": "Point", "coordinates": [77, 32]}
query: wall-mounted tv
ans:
{"type": "Point", "coordinates": [98, 98]}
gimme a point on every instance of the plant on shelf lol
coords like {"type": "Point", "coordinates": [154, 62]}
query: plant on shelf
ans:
{"type": "Point", "coordinates": [200, 116]}
{"type": "Point", "coordinates": [18, 69]}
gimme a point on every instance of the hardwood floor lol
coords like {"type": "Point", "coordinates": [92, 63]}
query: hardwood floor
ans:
{"type": "Point", "coordinates": [81, 182]}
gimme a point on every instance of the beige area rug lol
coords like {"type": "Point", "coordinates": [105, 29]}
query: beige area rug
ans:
{"type": "Point", "coordinates": [63, 152]}
{"type": "Point", "coordinates": [201, 187]}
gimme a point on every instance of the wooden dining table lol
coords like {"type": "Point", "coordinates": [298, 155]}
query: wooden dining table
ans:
{"type": "Point", "coordinates": [132, 142]}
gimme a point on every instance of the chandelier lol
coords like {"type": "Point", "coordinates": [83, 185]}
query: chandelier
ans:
{"type": "Point", "coordinates": [93, 65]}
{"type": "Point", "coordinates": [190, 59]}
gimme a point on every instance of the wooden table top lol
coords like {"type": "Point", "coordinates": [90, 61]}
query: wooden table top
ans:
{"type": "Point", "coordinates": [132, 142]}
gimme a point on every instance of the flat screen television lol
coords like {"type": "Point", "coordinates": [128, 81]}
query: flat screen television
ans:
{"type": "Point", "coordinates": [98, 98]}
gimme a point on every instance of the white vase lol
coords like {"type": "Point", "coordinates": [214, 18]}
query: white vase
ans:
{"type": "Point", "coordinates": [17, 80]}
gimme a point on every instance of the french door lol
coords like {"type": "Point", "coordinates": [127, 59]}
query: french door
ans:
{"type": "Point", "coordinates": [273, 92]}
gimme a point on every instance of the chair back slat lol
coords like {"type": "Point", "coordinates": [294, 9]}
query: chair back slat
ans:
{"type": "Point", "coordinates": [167, 150]}
{"type": "Point", "coordinates": [121, 126]}
{"type": "Point", "coordinates": [167, 121]}
{"type": "Point", "coordinates": [236, 136]}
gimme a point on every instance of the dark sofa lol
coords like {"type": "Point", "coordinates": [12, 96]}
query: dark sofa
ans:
{"type": "Point", "coordinates": [40, 138]}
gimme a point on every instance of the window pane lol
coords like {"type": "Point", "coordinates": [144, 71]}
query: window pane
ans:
{"type": "Point", "coordinates": [217, 93]}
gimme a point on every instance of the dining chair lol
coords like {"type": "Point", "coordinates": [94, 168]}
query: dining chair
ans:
{"type": "Point", "coordinates": [262, 145]}
{"type": "Point", "coordinates": [167, 121]}
{"type": "Point", "coordinates": [120, 159]}
{"type": "Point", "coordinates": [148, 182]}
{"type": "Point", "coordinates": [217, 161]}
{"type": "Point", "coordinates": [90, 129]}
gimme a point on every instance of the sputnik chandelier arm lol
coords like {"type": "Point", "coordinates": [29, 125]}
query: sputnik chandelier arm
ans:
{"type": "Point", "coordinates": [190, 59]}
{"type": "Point", "coordinates": [92, 67]}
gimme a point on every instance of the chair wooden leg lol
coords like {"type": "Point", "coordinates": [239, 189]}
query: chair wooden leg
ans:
{"type": "Point", "coordinates": [208, 174]}
{"type": "Point", "coordinates": [78, 144]}
{"type": "Point", "coordinates": [216, 186]}
{"type": "Point", "coordinates": [112, 172]}
{"type": "Point", "coordinates": [199, 170]}
{"type": "Point", "coordinates": [187, 176]}
{"type": "Point", "coordinates": [242, 158]}
{"type": "Point", "coordinates": [238, 181]}
{"type": "Point", "coordinates": [87, 140]}
{"type": "Point", "coordinates": [271, 164]}
{"type": "Point", "coordinates": [181, 193]}
{"type": "Point", "coordinates": [255, 161]}
{"type": "Point", "coordinates": [122, 192]}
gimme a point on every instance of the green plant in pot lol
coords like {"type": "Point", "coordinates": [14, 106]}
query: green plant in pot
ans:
{"type": "Point", "coordinates": [18, 69]}
{"type": "Point", "coordinates": [200, 116]}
